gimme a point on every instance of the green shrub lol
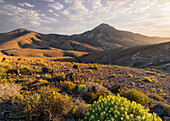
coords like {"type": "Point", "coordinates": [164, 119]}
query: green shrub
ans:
{"type": "Point", "coordinates": [3, 70]}
{"type": "Point", "coordinates": [60, 76]}
{"type": "Point", "coordinates": [137, 96]}
{"type": "Point", "coordinates": [94, 66]}
{"type": "Point", "coordinates": [68, 85]}
{"type": "Point", "coordinates": [4, 65]}
{"type": "Point", "coordinates": [98, 81]}
{"type": "Point", "coordinates": [155, 96]}
{"type": "Point", "coordinates": [94, 92]}
{"type": "Point", "coordinates": [25, 71]}
{"type": "Point", "coordinates": [81, 86]}
{"type": "Point", "coordinates": [147, 79]}
{"type": "Point", "coordinates": [80, 107]}
{"type": "Point", "coordinates": [114, 75]}
{"type": "Point", "coordinates": [130, 75]}
{"type": "Point", "coordinates": [46, 105]}
{"type": "Point", "coordinates": [116, 108]}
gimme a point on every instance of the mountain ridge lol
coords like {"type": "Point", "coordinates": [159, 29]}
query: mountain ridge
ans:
{"type": "Point", "coordinates": [102, 39]}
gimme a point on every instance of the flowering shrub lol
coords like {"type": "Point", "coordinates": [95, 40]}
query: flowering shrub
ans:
{"type": "Point", "coordinates": [116, 108]}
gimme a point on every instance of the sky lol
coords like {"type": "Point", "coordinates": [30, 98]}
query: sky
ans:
{"type": "Point", "coordinates": [148, 17]}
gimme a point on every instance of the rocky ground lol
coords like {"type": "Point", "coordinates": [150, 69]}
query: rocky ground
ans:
{"type": "Point", "coordinates": [32, 72]}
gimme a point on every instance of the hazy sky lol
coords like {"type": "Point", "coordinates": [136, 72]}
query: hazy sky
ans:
{"type": "Point", "coordinates": [149, 17]}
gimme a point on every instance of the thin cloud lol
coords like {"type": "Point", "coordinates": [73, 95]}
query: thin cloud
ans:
{"type": "Point", "coordinates": [50, 0]}
{"type": "Point", "coordinates": [68, 1]}
{"type": "Point", "coordinates": [50, 10]}
{"type": "Point", "coordinates": [134, 15]}
{"type": "Point", "coordinates": [26, 4]}
{"type": "Point", "coordinates": [56, 5]}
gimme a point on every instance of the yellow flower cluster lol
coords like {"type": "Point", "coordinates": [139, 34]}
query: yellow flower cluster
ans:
{"type": "Point", "coordinates": [116, 108]}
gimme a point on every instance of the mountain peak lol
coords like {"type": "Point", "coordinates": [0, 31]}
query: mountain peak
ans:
{"type": "Point", "coordinates": [104, 25]}
{"type": "Point", "coordinates": [21, 30]}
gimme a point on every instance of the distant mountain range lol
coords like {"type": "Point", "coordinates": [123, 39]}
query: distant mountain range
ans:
{"type": "Point", "coordinates": [103, 44]}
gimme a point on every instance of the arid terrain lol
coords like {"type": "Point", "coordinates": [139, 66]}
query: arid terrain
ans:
{"type": "Point", "coordinates": [36, 83]}
{"type": "Point", "coordinates": [35, 75]}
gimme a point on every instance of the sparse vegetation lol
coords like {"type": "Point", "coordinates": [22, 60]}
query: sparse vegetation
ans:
{"type": "Point", "coordinates": [39, 88]}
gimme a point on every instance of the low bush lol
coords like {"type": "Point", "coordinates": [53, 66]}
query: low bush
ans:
{"type": "Point", "coordinates": [81, 86]}
{"type": "Point", "coordinates": [80, 107]}
{"type": "Point", "coordinates": [130, 75]}
{"type": "Point", "coordinates": [68, 85]}
{"type": "Point", "coordinates": [147, 79]}
{"type": "Point", "coordinates": [9, 91]}
{"type": "Point", "coordinates": [47, 105]}
{"type": "Point", "coordinates": [60, 76]}
{"type": "Point", "coordinates": [93, 92]}
{"type": "Point", "coordinates": [135, 95]}
{"type": "Point", "coordinates": [155, 97]}
{"type": "Point", "coordinates": [94, 66]}
{"type": "Point", "coordinates": [4, 65]}
{"type": "Point", "coordinates": [25, 71]}
{"type": "Point", "coordinates": [116, 108]}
